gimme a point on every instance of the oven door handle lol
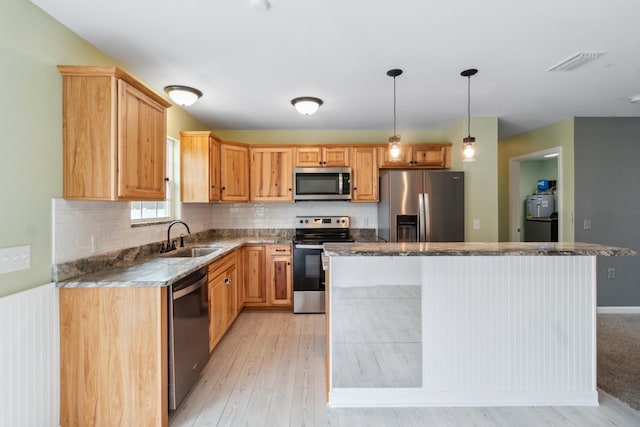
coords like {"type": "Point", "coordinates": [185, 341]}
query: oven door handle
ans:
{"type": "Point", "coordinates": [307, 247]}
{"type": "Point", "coordinates": [189, 289]}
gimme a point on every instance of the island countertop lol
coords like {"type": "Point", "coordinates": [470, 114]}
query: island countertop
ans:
{"type": "Point", "coordinates": [475, 249]}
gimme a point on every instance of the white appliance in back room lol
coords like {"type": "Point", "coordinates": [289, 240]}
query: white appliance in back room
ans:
{"type": "Point", "coordinates": [541, 221]}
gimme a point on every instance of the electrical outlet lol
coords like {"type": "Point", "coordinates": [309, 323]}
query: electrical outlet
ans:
{"type": "Point", "coordinates": [611, 273]}
{"type": "Point", "coordinates": [587, 224]}
{"type": "Point", "coordinates": [476, 224]}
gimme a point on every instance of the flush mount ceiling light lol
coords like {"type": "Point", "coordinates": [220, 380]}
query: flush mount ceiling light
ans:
{"type": "Point", "coordinates": [306, 105]}
{"type": "Point", "coordinates": [260, 5]}
{"type": "Point", "coordinates": [394, 141]}
{"type": "Point", "coordinates": [183, 95]}
{"type": "Point", "coordinates": [468, 143]}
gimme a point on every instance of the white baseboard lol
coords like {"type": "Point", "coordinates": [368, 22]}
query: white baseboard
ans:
{"type": "Point", "coordinates": [619, 310]}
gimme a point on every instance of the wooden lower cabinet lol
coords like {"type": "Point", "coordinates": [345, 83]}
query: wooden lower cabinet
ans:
{"type": "Point", "coordinates": [113, 356]}
{"type": "Point", "coordinates": [254, 275]}
{"type": "Point", "coordinates": [223, 308]}
{"type": "Point", "coordinates": [280, 279]}
{"type": "Point", "coordinates": [268, 276]}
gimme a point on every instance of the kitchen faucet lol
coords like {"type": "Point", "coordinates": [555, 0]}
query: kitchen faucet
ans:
{"type": "Point", "coordinates": [169, 245]}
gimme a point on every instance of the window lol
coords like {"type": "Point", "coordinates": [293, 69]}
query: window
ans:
{"type": "Point", "coordinates": [149, 212]}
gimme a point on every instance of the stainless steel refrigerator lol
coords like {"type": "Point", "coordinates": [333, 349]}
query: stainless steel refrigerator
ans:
{"type": "Point", "coordinates": [421, 206]}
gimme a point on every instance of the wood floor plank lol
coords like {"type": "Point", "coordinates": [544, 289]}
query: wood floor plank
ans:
{"type": "Point", "coordinates": [268, 370]}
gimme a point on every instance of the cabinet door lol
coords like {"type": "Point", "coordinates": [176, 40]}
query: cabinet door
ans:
{"type": "Point", "coordinates": [280, 280]}
{"type": "Point", "coordinates": [338, 156]}
{"type": "Point", "coordinates": [308, 157]}
{"type": "Point", "coordinates": [217, 311]}
{"type": "Point", "coordinates": [254, 275]}
{"type": "Point", "coordinates": [271, 175]}
{"type": "Point", "coordinates": [214, 170]}
{"type": "Point", "coordinates": [230, 288]}
{"type": "Point", "coordinates": [142, 144]}
{"type": "Point", "coordinates": [429, 156]}
{"type": "Point", "coordinates": [365, 174]}
{"type": "Point", "coordinates": [234, 173]}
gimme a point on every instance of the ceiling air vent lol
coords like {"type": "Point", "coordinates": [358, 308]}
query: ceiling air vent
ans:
{"type": "Point", "coordinates": [576, 60]}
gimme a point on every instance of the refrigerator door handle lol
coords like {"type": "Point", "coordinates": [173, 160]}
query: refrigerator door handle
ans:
{"type": "Point", "coordinates": [427, 218]}
{"type": "Point", "coordinates": [421, 218]}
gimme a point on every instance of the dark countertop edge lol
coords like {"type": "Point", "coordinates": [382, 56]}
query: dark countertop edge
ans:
{"type": "Point", "coordinates": [509, 249]}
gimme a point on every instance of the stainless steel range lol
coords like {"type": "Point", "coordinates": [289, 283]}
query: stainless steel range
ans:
{"type": "Point", "coordinates": [308, 275]}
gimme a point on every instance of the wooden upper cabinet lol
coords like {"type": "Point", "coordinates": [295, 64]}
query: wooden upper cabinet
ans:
{"type": "Point", "coordinates": [234, 172]}
{"type": "Point", "coordinates": [365, 174]}
{"type": "Point", "coordinates": [271, 174]}
{"type": "Point", "coordinates": [321, 157]}
{"type": "Point", "coordinates": [114, 136]}
{"type": "Point", "coordinates": [199, 167]}
{"type": "Point", "coordinates": [427, 156]}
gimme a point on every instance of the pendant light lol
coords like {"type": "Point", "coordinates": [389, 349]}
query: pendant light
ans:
{"type": "Point", "coordinates": [394, 141]}
{"type": "Point", "coordinates": [183, 95]}
{"type": "Point", "coordinates": [469, 143]}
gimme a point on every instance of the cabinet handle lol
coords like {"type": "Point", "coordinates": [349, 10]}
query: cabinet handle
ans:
{"type": "Point", "coordinates": [281, 250]}
{"type": "Point", "coordinates": [289, 189]}
{"type": "Point", "coordinates": [223, 188]}
{"type": "Point", "coordinates": [355, 188]}
{"type": "Point", "coordinates": [213, 186]}
{"type": "Point", "coordinates": [227, 281]}
{"type": "Point", "coordinates": [166, 179]}
{"type": "Point", "coordinates": [288, 263]}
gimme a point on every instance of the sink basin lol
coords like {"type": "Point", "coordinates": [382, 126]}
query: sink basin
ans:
{"type": "Point", "coordinates": [193, 252]}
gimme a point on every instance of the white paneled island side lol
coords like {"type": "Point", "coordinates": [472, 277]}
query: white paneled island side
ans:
{"type": "Point", "coordinates": [462, 324]}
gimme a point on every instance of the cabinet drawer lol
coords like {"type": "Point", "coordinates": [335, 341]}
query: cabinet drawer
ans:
{"type": "Point", "coordinates": [279, 249]}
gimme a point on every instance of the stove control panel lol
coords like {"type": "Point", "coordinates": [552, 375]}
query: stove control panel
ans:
{"type": "Point", "coordinates": [322, 222]}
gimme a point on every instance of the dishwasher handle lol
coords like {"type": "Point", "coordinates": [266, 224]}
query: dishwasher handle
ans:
{"type": "Point", "coordinates": [190, 288]}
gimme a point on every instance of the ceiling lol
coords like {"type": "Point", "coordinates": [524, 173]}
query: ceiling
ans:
{"type": "Point", "coordinates": [251, 63]}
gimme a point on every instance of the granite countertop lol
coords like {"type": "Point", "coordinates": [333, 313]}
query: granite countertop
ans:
{"type": "Point", "coordinates": [160, 270]}
{"type": "Point", "coordinates": [474, 249]}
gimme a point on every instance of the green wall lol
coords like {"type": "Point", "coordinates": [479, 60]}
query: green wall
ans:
{"type": "Point", "coordinates": [327, 136]}
{"type": "Point", "coordinates": [481, 176]}
{"type": "Point", "coordinates": [32, 44]}
{"type": "Point", "coordinates": [560, 134]}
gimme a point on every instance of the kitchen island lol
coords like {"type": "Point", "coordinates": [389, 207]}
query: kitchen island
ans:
{"type": "Point", "coordinates": [462, 324]}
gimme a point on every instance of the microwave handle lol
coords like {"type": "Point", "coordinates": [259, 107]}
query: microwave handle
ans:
{"type": "Point", "coordinates": [340, 183]}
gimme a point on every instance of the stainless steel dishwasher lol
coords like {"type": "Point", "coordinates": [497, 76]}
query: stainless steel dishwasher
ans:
{"type": "Point", "coordinates": [188, 334]}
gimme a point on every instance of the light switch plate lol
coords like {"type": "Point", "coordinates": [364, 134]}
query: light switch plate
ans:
{"type": "Point", "coordinates": [15, 258]}
{"type": "Point", "coordinates": [476, 224]}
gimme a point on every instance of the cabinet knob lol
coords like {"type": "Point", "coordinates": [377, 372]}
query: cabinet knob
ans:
{"type": "Point", "coordinates": [227, 281]}
{"type": "Point", "coordinates": [289, 189]}
{"type": "Point", "coordinates": [224, 188]}
{"type": "Point", "coordinates": [166, 179]}
{"type": "Point", "coordinates": [355, 188]}
{"type": "Point", "coordinates": [213, 186]}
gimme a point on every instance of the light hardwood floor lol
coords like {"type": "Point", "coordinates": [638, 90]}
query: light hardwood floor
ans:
{"type": "Point", "coordinates": [269, 371]}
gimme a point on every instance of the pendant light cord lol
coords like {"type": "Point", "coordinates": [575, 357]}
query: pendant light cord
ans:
{"type": "Point", "coordinates": [394, 106]}
{"type": "Point", "coordinates": [468, 106]}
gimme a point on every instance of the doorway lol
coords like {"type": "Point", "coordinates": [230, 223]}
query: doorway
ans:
{"type": "Point", "coordinates": [521, 170]}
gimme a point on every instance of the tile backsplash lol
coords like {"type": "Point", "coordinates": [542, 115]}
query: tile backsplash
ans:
{"type": "Point", "coordinates": [82, 228]}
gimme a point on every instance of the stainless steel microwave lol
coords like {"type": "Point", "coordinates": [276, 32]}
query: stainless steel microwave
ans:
{"type": "Point", "coordinates": [322, 184]}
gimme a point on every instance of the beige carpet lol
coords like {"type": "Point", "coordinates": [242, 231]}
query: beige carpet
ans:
{"type": "Point", "coordinates": [619, 356]}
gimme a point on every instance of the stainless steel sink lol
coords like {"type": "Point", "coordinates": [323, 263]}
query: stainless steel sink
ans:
{"type": "Point", "coordinates": [192, 252]}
